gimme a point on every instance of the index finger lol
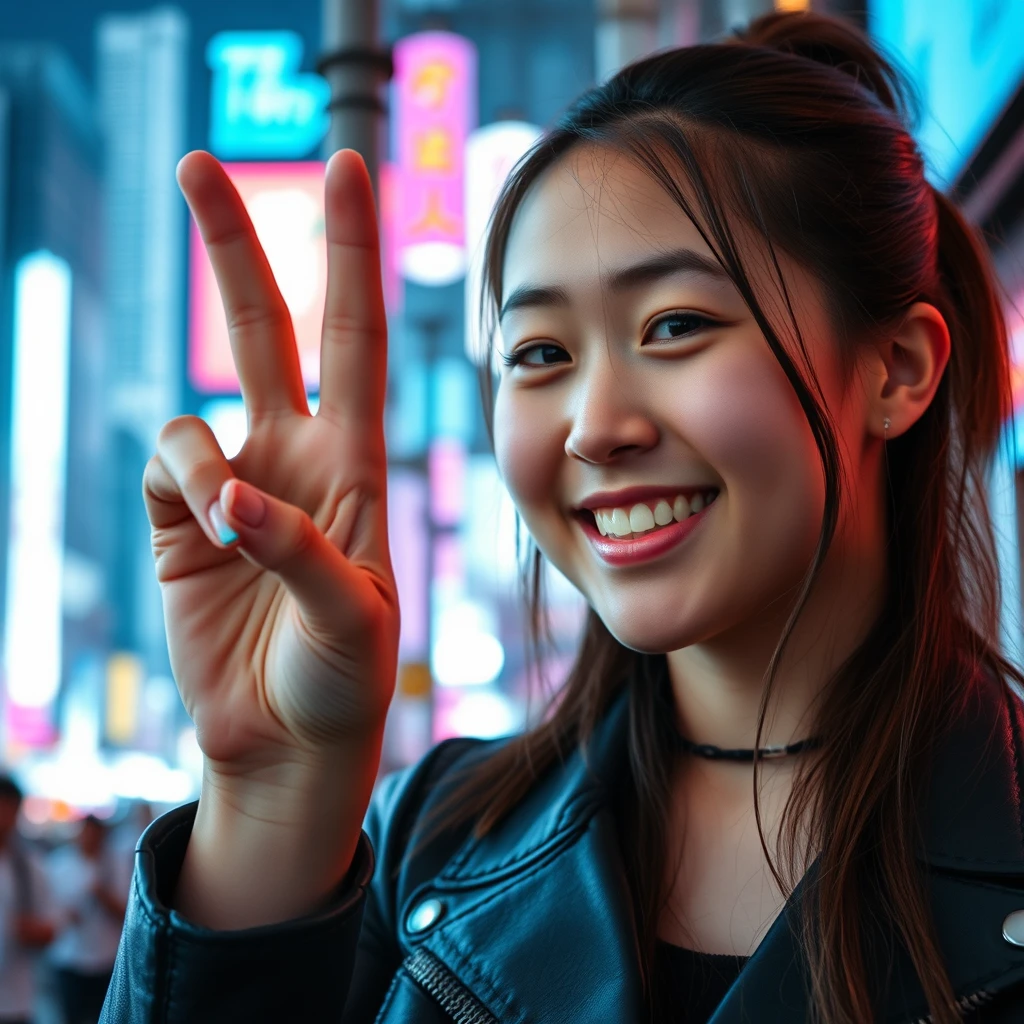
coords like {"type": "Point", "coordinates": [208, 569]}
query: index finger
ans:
{"type": "Point", "coordinates": [259, 324]}
{"type": "Point", "coordinates": [353, 350]}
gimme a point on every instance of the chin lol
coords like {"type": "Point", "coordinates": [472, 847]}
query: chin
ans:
{"type": "Point", "coordinates": [646, 635]}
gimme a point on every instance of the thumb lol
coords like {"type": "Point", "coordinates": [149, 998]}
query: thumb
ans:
{"type": "Point", "coordinates": [283, 539]}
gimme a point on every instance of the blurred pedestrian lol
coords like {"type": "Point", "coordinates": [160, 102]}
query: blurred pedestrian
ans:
{"type": "Point", "coordinates": [90, 879]}
{"type": "Point", "coordinates": [26, 912]}
{"type": "Point", "coordinates": [126, 835]}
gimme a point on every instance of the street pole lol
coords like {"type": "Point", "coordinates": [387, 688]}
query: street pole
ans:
{"type": "Point", "coordinates": [724, 16]}
{"type": "Point", "coordinates": [355, 65]}
{"type": "Point", "coordinates": [626, 31]}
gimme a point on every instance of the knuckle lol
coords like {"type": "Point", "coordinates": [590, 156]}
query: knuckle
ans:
{"type": "Point", "coordinates": [305, 537]}
{"type": "Point", "coordinates": [342, 327]}
{"type": "Point", "coordinates": [201, 475]}
{"type": "Point", "coordinates": [153, 471]}
{"type": "Point", "coordinates": [272, 317]}
{"type": "Point", "coordinates": [173, 430]}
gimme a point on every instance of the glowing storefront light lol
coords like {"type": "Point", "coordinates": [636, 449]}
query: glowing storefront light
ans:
{"type": "Point", "coordinates": [1014, 313]}
{"type": "Point", "coordinates": [87, 781]}
{"type": "Point", "coordinates": [226, 418]}
{"type": "Point", "coordinates": [964, 63]}
{"type": "Point", "coordinates": [261, 106]}
{"type": "Point", "coordinates": [491, 153]}
{"type": "Point", "coordinates": [407, 513]}
{"type": "Point", "coordinates": [485, 714]}
{"type": "Point", "coordinates": [435, 109]}
{"type": "Point", "coordinates": [466, 652]}
{"type": "Point", "coordinates": [388, 185]}
{"type": "Point", "coordinates": [286, 204]}
{"type": "Point", "coordinates": [42, 330]}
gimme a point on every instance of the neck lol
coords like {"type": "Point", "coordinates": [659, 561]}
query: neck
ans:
{"type": "Point", "coordinates": [717, 685]}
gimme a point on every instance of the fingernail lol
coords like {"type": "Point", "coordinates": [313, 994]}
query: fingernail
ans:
{"type": "Point", "coordinates": [224, 532]}
{"type": "Point", "coordinates": [247, 505]}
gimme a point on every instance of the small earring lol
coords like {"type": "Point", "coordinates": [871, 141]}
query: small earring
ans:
{"type": "Point", "coordinates": [886, 424]}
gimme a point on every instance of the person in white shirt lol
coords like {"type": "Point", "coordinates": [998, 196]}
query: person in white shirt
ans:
{"type": "Point", "coordinates": [26, 912]}
{"type": "Point", "coordinates": [90, 879]}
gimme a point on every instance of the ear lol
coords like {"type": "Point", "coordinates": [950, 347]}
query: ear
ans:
{"type": "Point", "coordinates": [907, 367]}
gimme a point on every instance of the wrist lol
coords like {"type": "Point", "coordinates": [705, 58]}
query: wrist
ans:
{"type": "Point", "coordinates": [294, 790]}
{"type": "Point", "coordinates": [272, 844]}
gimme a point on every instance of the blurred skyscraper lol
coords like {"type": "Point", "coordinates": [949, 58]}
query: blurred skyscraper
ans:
{"type": "Point", "coordinates": [142, 85]}
{"type": "Point", "coordinates": [53, 531]}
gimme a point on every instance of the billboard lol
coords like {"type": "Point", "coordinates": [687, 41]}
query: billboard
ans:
{"type": "Point", "coordinates": [435, 110]}
{"type": "Point", "coordinates": [491, 154]}
{"type": "Point", "coordinates": [286, 204]}
{"type": "Point", "coordinates": [965, 57]}
{"type": "Point", "coordinates": [261, 105]}
{"type": "Point", "coordinates": [33, 629]}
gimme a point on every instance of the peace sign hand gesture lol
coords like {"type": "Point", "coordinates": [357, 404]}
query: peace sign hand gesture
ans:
{"type": "Point", "coordinates": [279, 601]}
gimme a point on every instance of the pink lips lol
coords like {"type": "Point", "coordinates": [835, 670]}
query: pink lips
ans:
{"type": "Point", "coordinates": [641, 549]}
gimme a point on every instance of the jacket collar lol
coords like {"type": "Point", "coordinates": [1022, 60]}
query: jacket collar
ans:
{"type": "Point", "coordinates": [972, 857]}
{"type": "Point", "coordinates": [559, 849]}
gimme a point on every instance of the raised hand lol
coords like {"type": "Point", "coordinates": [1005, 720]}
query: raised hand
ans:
{"type": "Point", "coordinates": [279, 600]}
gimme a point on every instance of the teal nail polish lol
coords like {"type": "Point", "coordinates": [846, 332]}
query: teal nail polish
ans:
{"type": "Point", "coordinates": [224, 532]}
{"type": "Point", "coordinates": [226, 535]}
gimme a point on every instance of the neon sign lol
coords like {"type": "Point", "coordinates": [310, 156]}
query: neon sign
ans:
{"type": "Point", "coordinates": [491, 153]}
{"type": "Point", "coordinates": [42, 340]}
{"type": "Point", "coordinates": [286, 204]}
{"type": "Point", "coordinates": [977, 40]}
{"type": "Point", "coordinates": [261, 105]}
{"type": "Point", "coordinates": [435, 108]}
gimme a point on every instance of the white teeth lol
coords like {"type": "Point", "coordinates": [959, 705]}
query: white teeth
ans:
{"type": "Point", "coordinates": [641, 519]}
{"type": "Point", "coordinates": [620, 523]}
{"type": "Point", "coordinates": [617, 522]}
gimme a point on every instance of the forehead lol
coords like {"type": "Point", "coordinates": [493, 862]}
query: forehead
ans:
{"type": "Point", "coordinates": [592, 209]}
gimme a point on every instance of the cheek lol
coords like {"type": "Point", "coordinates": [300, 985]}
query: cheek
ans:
{"type": "Point", "coordinates": [749, 427]}
{"type": "Point", "coordinates": [528, 447]}
{"type": "Point", "coordinates": [755, 432]}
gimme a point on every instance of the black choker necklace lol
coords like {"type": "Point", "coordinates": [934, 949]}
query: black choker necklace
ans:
{"type": "Point", "coordinates": [766, 753]}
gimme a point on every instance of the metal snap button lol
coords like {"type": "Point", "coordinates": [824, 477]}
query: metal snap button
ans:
{"type": "Point", "coordinates": [429, 912]}
{"type": "Point", "coordinates": [1013, 928]}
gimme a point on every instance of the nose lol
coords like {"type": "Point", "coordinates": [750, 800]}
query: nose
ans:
{"type": "Point", "coordinates": [609, 419]}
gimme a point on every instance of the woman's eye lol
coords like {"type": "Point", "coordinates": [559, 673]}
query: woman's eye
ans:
{"type": "Point", "coordinates": [535, 355]}
{"type": "Point", "coordinates": [677, 325]}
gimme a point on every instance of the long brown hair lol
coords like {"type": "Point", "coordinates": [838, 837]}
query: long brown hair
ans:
{"type": "Point", "coordinates": [798, 129]}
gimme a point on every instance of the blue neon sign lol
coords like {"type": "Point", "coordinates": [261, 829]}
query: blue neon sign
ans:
{"type": "Point", "coordinates": [966, 57]}
{"type": "Point", "coordinates": [261, 105]}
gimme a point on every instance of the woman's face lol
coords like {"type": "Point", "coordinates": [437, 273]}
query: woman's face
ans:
{"type": "Point", "coordinates": [648, 406]}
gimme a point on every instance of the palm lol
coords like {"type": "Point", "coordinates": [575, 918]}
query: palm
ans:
{"type": "Point", "coordinates": [268, 665]}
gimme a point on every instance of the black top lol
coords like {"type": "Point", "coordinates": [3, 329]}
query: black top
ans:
{"type": "Point", "coordinates": [695, 983]}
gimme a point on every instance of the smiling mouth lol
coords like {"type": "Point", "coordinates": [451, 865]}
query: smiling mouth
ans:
{"type": "Point", "coordinates": [645, 518]}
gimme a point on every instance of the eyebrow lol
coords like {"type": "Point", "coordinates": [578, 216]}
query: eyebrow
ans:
{"type": "Point", "coordinates": [676, 261]}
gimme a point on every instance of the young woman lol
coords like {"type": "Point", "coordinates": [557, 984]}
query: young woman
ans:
{"type": "Point", "coordinates": [751, 372]}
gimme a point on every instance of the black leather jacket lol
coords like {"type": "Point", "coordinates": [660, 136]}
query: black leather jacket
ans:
{"type": "Point", "coordinates": [533, 922]}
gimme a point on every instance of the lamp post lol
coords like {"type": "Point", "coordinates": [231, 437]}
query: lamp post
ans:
{"type": "Point", "coordinates": [355, 65]}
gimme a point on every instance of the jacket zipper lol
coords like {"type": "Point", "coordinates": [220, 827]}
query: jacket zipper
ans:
{"type": "Point", "coordinates": [972, 1002]}
{"type": "Point", "coordinates": [455, 999]}
{"type": "Point", "coordinates": [464, 1008]}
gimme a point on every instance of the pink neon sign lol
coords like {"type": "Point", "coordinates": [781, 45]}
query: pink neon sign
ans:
{"type": "Point", "coordinates": [1015, 328]}
{"type": "Point", "coordinates": [435, 110]}
{"type": "Point", "coordinates": [286, 204]}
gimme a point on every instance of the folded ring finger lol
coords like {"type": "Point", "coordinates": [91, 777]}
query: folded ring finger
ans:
{"type": "Point", "coordinates": [198, 467]}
